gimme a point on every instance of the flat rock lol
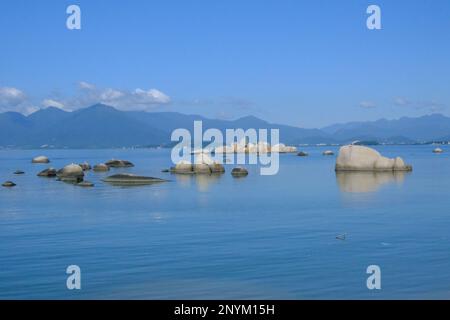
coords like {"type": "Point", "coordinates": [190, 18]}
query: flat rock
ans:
{"type": "Point", "coordinates": [19, 172]}
{"type": "Point", "coordinates": [239, 172]}
{"type": "Point", "coordinates": [8, 184]}
{"type": "Point", "coordinates": [119, 163]}
{"type": "Point", "coordinates": [131, 179]}
{"type": "Point", "coordinates": [302, 154]}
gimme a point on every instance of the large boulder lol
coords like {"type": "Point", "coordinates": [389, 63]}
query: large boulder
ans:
{"type": "Point", "coordinates": [40, 159]}
{"type": "Point", "coordinates": [360, 158]}
{"type": "Point", "coordinates": [71, 173]}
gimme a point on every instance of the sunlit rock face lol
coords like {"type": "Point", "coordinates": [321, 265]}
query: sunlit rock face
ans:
{"type": "Point", "coordinates": [360, 158]}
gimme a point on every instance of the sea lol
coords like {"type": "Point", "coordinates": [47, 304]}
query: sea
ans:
{"type": "Point", "coordinates": [303, 233]}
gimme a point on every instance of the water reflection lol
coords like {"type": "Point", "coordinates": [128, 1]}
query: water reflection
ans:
{"type": "Point", "coordinates": [362, 182]}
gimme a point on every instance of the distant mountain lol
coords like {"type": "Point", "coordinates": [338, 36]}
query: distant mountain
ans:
{"type": "Point", "coordinates": [102, 126]}
{"type": "Point", "coordinates": [421, 129]}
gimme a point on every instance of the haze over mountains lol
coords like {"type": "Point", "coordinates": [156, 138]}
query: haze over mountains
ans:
{"type": "Point", "coordinates": [101, 126]}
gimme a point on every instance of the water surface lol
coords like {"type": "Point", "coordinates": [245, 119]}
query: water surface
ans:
{"type": "Point", "coordinates": [220, 237]}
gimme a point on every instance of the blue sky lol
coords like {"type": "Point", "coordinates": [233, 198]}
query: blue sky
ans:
{"type": "Point", "coordinates": [304, 63]}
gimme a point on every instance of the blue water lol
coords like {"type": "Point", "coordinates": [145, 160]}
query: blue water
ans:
{"type": "Point", "coordinates": [208, 237]}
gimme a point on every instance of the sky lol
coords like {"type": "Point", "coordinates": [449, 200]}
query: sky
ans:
{"type": "Point", "coordinates": [303, 63]}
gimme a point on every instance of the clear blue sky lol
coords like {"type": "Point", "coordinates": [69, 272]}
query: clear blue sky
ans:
{"type": "Point", "coordinates": [305, 63]}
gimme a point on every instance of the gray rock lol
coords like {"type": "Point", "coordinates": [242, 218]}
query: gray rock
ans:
{"type": "Point", "coordinates": [128, 179]}
{"type": "Point", "coordinates": [119, 163]}
{"type": "Point", "coordinates": [19, 172]}
{"type": "Point", "coordinates": [47, 173]}
{"type": "Point", "coordinates": [101, 167]}
{"type": "Point", "coordinates": [302, 154]}
{"type": "Point", "coordinates": [71, 173]}
{"type": "Point", "coordinates": [239, 172]}
{"type": "Point", "coordinates": [8, 184]}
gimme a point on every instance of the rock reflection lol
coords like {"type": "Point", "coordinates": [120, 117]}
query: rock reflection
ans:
{"type": "Point", "coordinates": [205, 181]}
{"type": "Point", "coordinates": [363, 182]}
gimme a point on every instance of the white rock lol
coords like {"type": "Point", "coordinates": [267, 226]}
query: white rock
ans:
{"type": "Point", "coordinates": [40, 159]}
{"type": "Point", "coordinates": [360, 158]}
{"type": "Point", "coordinates": [438, 150]}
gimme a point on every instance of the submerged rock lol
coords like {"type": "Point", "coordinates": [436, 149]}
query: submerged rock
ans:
{"type": "Point", "coordinates": [48, 173]}
{"type": "Point", "coordinates": [131, 179]}
{"type": "Point", "coordinates": [101, 167]}
{"type": "Point", "coordinates": [19, 172]}
{"type": "Point", "coordinates": [8, 184]}
{"type": "Point", "coordinates": [438, 150]}
{"type": "Point", "coordinates": [239, 172]}
{"type": "Point", "coordinates": [85, 184]}
{"type": "Point", "coordinates": [302, 154]}
{"type": "Point", "coordinates": [119, 163]}
{"type": "Point", "coordinates": [85, 166]}
{"type": "Point", "coordinates": [40, 159]}
{"type": "Point", "coordinates": [71, 173]}
{"type": "Point", "coordinates": [328, 153]}
{"type": "Point", "coordinates": [359, 158]}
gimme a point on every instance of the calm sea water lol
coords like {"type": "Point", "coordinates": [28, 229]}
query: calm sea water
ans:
{"type": "Point", "coordinates": [208, 237]}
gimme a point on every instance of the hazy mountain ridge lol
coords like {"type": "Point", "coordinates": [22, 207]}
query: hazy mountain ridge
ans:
{"type": "Point", "coordinates": [102, 126]}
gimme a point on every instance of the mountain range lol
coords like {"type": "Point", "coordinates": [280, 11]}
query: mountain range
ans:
{"type": "Point", "coordinates": [102, 126]}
